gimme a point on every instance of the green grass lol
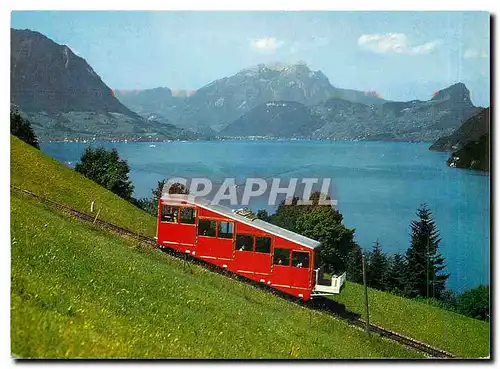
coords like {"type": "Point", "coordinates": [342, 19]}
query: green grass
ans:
{"type": "Point", "coordinates": [34, 171]}
{"type": "Point", "coordinates": [77, 291]}
{"type": "Point", "coordinates": [461, 335]}
{"type": "Point", "coordinates": [81, 292]}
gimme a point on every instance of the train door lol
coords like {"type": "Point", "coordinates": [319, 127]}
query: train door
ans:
{"type": "Point", "coordinates": [223, 248]}
{"type": "Point", "coordinates": [281, 269]}
{"type": "Point", "coordinates": [243, 261]}
{"type": "Point", "coordinates": [262, 257]}
{"type": "Point", "coordinates": [187, 222]}
{"type": "Point", "coordinates": [301, 273]}
{"type": "Point", "coordinates": [206, 238]}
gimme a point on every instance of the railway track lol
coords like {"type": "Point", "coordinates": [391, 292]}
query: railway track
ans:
{"type": "Point", "coordinates": [87, 217]}
{"type": "Point", "coordinates": [324, 305]}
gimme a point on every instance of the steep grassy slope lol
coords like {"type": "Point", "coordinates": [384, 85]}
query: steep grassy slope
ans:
{"type": "Point", "coordinates": [461, 335]}
{"type": "Point", "coordinates": [80, 292]}
{"type": "Point", "coordinates": [30, 169]}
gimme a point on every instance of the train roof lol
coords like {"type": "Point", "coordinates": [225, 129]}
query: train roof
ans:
{"type": "Point", "coordinates": [237, 215]}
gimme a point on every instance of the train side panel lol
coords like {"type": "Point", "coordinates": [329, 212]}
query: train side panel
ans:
{"type": "Point", "coordinates": [240, 248]}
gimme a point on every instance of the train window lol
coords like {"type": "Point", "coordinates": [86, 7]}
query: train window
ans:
{"type": "Point", "coordinates": [169, 214]}
{"type": "Point", "coordinates": [300, 259]}
{"type": "Point", "coordinates": [244, 242]}
{"type": "Point", "coordinates": [281, 257]}
{"type": "Point", "coordinates": [263, 244]}
{"type": "Point", "coordinates": [206, 227]}
{"type": "Point", "coordinates": [188, 215]}
{"type": "Point", "coordinates": [225, 230]}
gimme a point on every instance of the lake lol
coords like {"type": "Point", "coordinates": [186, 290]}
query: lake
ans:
{"type": "Point", "coordinates": [378, 187]}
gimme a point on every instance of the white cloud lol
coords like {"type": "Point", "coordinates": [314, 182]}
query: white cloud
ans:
{"type": "Point", "coordinates": [474, 54]}
{"type": "Point", "coordinates": [266, 44]}
{"type": "Point", "coordinates": [395, 43]}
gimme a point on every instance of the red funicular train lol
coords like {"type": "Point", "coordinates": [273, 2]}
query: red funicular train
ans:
{"type": "Point", "coordinates": [239, 242]}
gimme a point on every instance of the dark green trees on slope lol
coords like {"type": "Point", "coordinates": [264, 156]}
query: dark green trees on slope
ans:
{"type": "Point", "coordinates": [319, 222]}
{"type": "Point", "coordinates": [21, 128]}
{"type": "Point", "coordinates": [474, 155]}
{"type": "Point", "coordinates": [424, 263]}
{"type": "Point", "coordinates": [324, 224]}
{"type": "Point", "coordinates": [396, 273]}
{"type": "Point", "coordinates": [106, 169]}
{"type": "Point", "coordinates": [354, 265]}
{"type": "Point", "coordinates": [416, 274]}
{"type": "Point", "coordinates": [377, 269]}
{"type": "Point", "coordinates": [475, 303]}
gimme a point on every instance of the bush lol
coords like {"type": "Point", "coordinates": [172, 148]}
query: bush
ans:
{"type": "Point", "coordinates": [106, 169]}
{"type": "Point", "coordinates": [475, 303]}
{"type": "Point", "coordinates": [21, 128]}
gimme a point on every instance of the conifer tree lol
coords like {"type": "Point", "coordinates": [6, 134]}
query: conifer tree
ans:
{"type": "Point", "coordinates": [423, 262]}
{"type": "Point", "coordinates": [377, 268]}
{"type": "Point", "coordinates": [354, 265]}
{"type": "Point", "coordinates": [396, 274]}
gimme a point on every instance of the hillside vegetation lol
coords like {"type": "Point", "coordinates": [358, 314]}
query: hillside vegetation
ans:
{"type": "Point", "coordinates": [77, 291]}
{"type": "Point", "coordinates": [30, 169]}
{"type": "Point", "coordinates": [81, 292]}
{"type": "Point", "coordinates": [461, 335]}
{"type": "Point", "coordinates": [474, 155]}
{"type": "Point", "coordinates": [472, 129]}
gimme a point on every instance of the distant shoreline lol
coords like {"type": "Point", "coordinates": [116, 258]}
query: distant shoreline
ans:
{"type": "Point", "coordinates": [247, 138]}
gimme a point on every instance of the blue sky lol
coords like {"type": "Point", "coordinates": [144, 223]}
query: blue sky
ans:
{"type": "Point", "coordinates": [401, 55]}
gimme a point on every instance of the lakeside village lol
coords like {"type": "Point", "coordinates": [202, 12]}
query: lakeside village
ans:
{"type": "Point", "coordinates": [151, 138]}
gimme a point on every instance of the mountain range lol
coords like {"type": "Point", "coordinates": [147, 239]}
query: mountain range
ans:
{"type": "Point", "coordinates": [218, 104]}
{"type": "Point", "coordinates": [239, 106]}
{"type": "Point", "coordinates": [275, 119]}
{"type": "Point", "coordinates": [401, 121]}
{"type": "Point", "coordinates": [64, 97]}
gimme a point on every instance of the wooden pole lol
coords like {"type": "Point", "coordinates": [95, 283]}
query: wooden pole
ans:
{"type": "Point", "coordinates": [98, 211]}
{"type": "Point", "coordinates": [367, 328]}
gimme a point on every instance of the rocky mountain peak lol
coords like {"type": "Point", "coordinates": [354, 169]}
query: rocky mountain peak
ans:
{"type": "Point", "coordinates": [300, 69]}
{"type": "Point", "coordinates": [60, 93]}
{"type": "Point", "coordinates": [47, 76]}
{"type": "Point", "coordinates": [457, 92]}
